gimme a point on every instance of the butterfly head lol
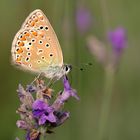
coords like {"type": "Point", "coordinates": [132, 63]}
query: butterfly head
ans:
{"type": "Point", "coordinates": [67, 68]}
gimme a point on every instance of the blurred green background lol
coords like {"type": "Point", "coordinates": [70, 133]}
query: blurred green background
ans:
{"type": "Point", "coordinates": [124, 117]}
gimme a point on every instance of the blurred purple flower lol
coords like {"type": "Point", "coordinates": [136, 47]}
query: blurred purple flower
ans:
{"type": "Point", "coordinates": [83, 19]}
{"type": "Point", "coordinates": [118, 39]}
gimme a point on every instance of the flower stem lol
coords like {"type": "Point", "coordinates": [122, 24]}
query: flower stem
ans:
{"type": "Point", "coordinates": [106, 101]}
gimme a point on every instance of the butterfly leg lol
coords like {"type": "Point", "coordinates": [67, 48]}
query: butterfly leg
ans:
{"type": "Point", "coordinates": [51, 82]}
{"type": "Point", "coordinates": [38, 77]}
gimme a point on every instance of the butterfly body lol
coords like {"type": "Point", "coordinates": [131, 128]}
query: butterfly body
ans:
{"type": "Point", "coordinates": [36, 48]}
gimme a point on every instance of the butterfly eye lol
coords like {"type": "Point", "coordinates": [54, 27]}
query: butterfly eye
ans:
{"type": "Point", "coordinates": [66, 68]}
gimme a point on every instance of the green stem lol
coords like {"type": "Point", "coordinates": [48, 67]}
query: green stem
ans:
{"type": "Point", "coordinates": [106, 101]}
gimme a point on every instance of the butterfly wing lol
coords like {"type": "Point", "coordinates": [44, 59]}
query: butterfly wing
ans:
{"type": "Point", "coordinates": [36, 47]}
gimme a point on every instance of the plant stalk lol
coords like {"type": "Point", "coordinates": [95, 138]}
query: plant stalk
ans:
{"type": "Point", "coordinates": [106, 102]}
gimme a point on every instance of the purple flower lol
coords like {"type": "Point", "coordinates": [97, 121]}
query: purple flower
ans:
{"type": "Point", "coordinates": [83, 19]}
{"type": "Point", "coordinates": [39, 105]}
{"type": "Point", "coordinates": [65, 95]}
{"type": "Point", "coordinates": [118, 39]}
{"type": "Point", "coordinates": [43, 112]}
{"type": "Point", "coordinates": [68, 91]}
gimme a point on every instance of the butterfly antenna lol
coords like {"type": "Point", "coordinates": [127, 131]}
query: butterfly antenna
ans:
{"type": "Point", "coordinates": [83, 66]}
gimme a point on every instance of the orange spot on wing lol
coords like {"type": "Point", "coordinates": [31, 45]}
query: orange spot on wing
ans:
{"type": "Point", "coordinates": [32, 23]}
{"type": "Point", "coordinates": [21, 44]}
{"type": "Point", "coordinates": [34, 33]}
{"type": "Point", "coordinates": [20, 50]}
{"type": "Point", "coordinates": [23, 38]}
{"type": "Point", "coordinates": [18, 59]}
{"type": "Point", "coordinates": [27, 34]}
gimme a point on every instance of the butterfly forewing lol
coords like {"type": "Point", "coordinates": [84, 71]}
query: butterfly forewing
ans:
{"type": "Point", "coordinates": [35, 46]}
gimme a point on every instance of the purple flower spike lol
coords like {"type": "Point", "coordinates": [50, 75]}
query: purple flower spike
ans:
{"type": "Point", "coordinates": [38, 114]}
{"type": "Point", "coordinates": [68, 91]}
{"type": "Point", "coordinates": [83, 19]}
{"type": "Point", "coordinates": [118, 39]}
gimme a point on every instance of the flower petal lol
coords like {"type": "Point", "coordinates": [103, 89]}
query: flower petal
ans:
{"type": "Point", "coordinates": [42, 119]}
{"type": "Point", "coordinates": [51, 117]}
{"type": "Point", "coordinates": [39, 104]}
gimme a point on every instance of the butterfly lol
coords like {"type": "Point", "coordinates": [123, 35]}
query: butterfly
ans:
{"type": "Point", "coordinates": [35, 48]}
